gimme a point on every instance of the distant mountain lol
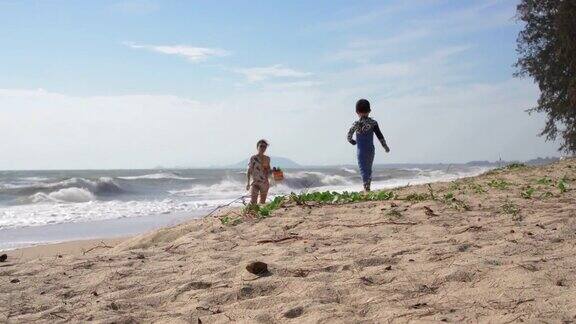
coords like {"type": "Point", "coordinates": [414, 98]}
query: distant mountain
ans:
{"type": "Point", "coordinates": [480, 163]}
{"type": "Point", "coordinates": [542, 161]}
{"type": "Point", "coordinates": [276, 161]}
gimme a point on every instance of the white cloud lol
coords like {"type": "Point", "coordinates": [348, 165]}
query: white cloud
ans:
{"type": "Point", "coordinates": [384, 70]}
{"type": "Point", "coordinates": [474, 15]}
{"type": "Point", "coordinates": [138, 7]}
{"type": "Point", "coordinates": [484, 15]}
{"type": "Point", "coordinates": [392, 8]}
{"type": "Point", "coordinates": [192, 54]}
{"type": "Point", "coordinates": [362, 50]}
{"type": "Point", "coordinates": [442, 123]}
{"type": "Point", "coordinates": [416, 30]}
{"type": "Point", "coordinates": [294, 84]}
{"type": "Point", "coordinates": [402, 37]}
{"type": "Point", "coordinates": [275, 71]}
{"type": "Point", "coordinates": [431, 69]}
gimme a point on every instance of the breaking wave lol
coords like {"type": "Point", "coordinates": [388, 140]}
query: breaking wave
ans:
{"type": "Point", "coordinates": [157, 176]}
{"type": "Point", "coordinates": [293, 181]}
{"type": "Point", "coordinates": [40, 198]}
{"type": "Point", "coordinates": [72, 195]}
{"type": "Point", "coordinates": [71, 190]}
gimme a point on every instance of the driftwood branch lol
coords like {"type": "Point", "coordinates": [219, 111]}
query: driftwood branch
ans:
{"type": "Point", "coordinates": [294, 237]}
{"type": "Point", "coordinates": [375, 224]}
{"type": "Point", "coordinates": [241, 198]}
{"type": "Point", "coordinates": [102, 245]}
{"type": "Point", "coordinates": [174, 247]}
{"type": "Point", "coordinates": [473, 228]}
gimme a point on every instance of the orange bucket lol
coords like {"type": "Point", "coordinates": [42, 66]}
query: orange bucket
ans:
{"type": "Point", "coordinates": [278, 175]}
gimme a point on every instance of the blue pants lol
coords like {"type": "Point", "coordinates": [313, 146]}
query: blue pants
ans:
{"type": "Point", "coordinates": [365, 155]}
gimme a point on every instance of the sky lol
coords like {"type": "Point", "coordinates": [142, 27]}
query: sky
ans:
{"type": "Point", "coordinates": [147, 83]}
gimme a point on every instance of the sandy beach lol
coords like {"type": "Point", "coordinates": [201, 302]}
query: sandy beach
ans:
{"type": "Point", "coordinates": [494, 248]}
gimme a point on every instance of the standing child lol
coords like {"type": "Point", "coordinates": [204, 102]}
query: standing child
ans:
{"type": "Point", "coordinates": [365, 128]}
{"type": "Point", "coordinates": [259, 170]}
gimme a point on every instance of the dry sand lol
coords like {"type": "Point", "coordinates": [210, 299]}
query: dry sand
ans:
{"type": "Point", "coordinates": [489, 256]}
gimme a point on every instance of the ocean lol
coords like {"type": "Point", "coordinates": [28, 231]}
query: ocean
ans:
{"type": "Point", "coordinates": [48, 206]}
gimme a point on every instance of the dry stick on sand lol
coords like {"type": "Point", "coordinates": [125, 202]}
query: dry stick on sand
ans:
{"type": "Point", "coordinates": [241, 198]}
{"type": "Point", "coordinates": [295, 237]}
{"type": "Point", "coordinates": [173, 247]}
{"type": "Point", "coordinates": [473, 228]}
{"type": "Point", "coordinates": [102, 245]}
{"type": "Point", "coordinates": [374, 224]}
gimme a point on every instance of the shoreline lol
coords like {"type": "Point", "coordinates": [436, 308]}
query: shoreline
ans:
{"type": "Point", "coordinates": [62, 249]}
{"type": "Point", "coordinates": [492, 248]}
{"type": "Point", "coordinates": [22, 237]}
{"type": "Point", "coordinates": [18, 238]}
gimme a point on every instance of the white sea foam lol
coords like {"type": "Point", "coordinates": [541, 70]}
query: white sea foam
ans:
{"type": "Point", "coordinates": [35, 179]}
{"type": "Point", "coordinates": [70, 195]}
{"type": "Point", "coordinates": [225, 188]}
{"type": "Point", "coordinates": [309, 179]}
{"type": "Point", "coordinates": [45, 214]}
{"type": "Point", "coordinates": [430, 176]}
{"type": "Point", "coordinates": [421, 177]}
{"type": "Point", "coordinates": [106, 184]}
{"type": "Point", "coordinates": [79, 199]}
{"type": "Point", "coordinates": [157, 176]}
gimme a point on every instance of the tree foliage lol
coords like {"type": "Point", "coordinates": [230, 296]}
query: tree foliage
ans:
{"type": "Point", "coordinates": [547, 53]}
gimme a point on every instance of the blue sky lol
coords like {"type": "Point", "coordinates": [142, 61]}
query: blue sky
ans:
{"type": "Point", "coordinates": [140, 83]}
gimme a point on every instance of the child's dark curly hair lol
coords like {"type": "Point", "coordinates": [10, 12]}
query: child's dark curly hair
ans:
{"type": "Point", "coordinates": [362, 106]}
{"type": "Point", "coordinates": [262, 141]}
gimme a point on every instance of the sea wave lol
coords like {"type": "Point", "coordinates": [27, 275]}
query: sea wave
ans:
{"type": "Point", "coordinates": [71, 190]}
{"type": "Point", "coordinates": [48, 214]}
{"type": "Point", "coordinates": [313, 179]}
{"type": "Point", "coordinates": [225, 187]}
{"type": "Point", "coordinates": [72, 195]}
{"type": "Point", "coordinates": [102, 185]}
{"type": "Point", "coordinates": [157, 176]}
{"type": "Point", "coordinates": [86, 199]}
{"type": "Point", "coordinates": [293, 181]}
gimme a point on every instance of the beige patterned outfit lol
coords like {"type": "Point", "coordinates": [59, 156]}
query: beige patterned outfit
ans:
{"type": "Point", "coordinates": [259, 173]}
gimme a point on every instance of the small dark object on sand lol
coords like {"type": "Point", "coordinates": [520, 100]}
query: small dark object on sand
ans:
{"type": "Point", "coordinates": [419, 305]}
{"type": "Point", "coordinates": [294, 312]}
{"type": "Point", "coordinates": [15, 280]}
{"type": "Point", "coordinates": [94, 293]}
{"type": "Point", "coordinates": [429, 212]}
{"type": "Point", "coordinates": [388, 268]}
{"type": "Point", "coordinates": [3, 257]}
{"type": "Point", "coordinates": [257, 268]}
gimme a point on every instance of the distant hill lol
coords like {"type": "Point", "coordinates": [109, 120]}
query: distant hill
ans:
{"type": "Point", "coordinates": [542, 161]}
{"type": "Point", "coordinates": [276, 161]}
{"type": "Point", "coordinates": [480, 163]}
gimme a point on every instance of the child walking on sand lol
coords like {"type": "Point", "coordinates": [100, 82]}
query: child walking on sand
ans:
{"type": "Point", "coordinates": [258, 172]}
{"type": "Point", "coordinates": [365, 128]}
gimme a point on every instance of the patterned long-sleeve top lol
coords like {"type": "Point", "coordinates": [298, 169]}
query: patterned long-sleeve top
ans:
{"type": "Point", "coordinates": [366, 126]}
{"type": "Point", "coordinates": [259, 169]}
